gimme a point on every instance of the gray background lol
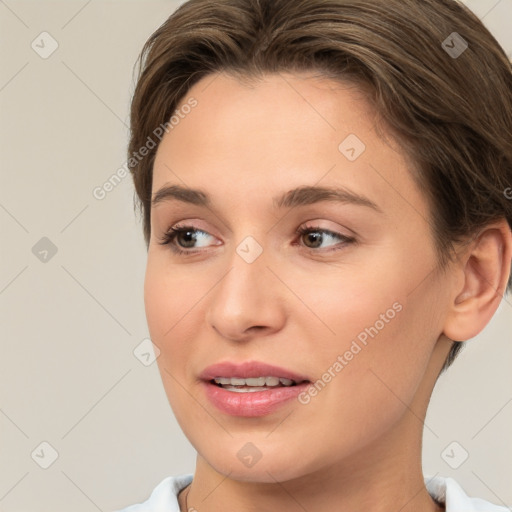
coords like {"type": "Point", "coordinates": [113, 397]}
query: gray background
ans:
{"type": "Point", "coordinates": [71, 322]}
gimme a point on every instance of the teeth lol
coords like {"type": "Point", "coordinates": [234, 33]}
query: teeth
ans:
{"type": "Point", "coordinates": [253, 382]}
{"type": "Point", "coordinates": [259, 381]}
{"type": "Point", "coordinates": [223, 380]}
{"type": "Point", "coordinates": [244, 389]}
{"type": "Point", "coordinates": [272, 381]}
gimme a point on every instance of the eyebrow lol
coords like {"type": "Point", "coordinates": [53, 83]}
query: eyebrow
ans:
{"type": "Point", "coordinates": [299, 196]}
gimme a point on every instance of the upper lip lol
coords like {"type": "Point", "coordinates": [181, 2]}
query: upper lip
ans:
{"type": "Point", "coordinates": [249, 369]}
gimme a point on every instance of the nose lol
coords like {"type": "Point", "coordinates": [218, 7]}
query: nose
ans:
{"type": "Point", "coordinates": [248, 301]}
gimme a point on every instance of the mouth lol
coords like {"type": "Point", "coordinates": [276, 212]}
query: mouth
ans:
{"type": "Point", "coordinates": [253, 384]}
{"type": "Point", "coordinates": [251, 388]}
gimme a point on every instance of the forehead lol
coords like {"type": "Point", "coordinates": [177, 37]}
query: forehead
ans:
{"type": "Point", "coordinates": [279, 132]}
{"type": "Point", "coordinates": [241, 115]}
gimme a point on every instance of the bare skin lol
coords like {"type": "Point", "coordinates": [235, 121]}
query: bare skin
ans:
{"type": "Point", "coordinates": [300, 304]}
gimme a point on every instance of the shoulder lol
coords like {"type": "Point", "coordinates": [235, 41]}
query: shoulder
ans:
{"type": "Point", "coordinates": [164, 497]}
{"type": "Point", "coordinates": [449, 492]}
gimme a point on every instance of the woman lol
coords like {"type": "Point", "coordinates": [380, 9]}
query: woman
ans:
{"type": "Point", "coordinates": [327, 221]}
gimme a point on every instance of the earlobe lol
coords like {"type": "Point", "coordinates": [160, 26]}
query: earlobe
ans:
{"type": "Point", "coordinates": [485, 267]}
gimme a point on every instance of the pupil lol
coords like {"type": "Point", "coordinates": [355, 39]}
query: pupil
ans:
{"type": "Point", "coordinates": [190, 236]}
{"type": "Point", "coordinates": [317, 236]}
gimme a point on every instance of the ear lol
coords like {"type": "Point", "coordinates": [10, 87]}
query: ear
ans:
{"type": "Point", "coordinates": [482, 272]}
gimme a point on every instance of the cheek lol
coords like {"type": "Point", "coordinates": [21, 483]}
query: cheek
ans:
{"type": "Point", "coordinates": [158, 302]}
{"type": "Point", "coordinates": [376, 337]}
{"type": "Point", "coordinates": [350, 303]}
{"type": "Point", "coordinates": [169, 298]}
{"type": "Point", "coordinates": [369, 372]}
{"type": "Point", "coordinates": [168, 304]}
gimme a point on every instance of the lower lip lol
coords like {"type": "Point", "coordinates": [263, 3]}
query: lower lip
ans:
{"type": "Point", "coordinates": [250, 404]}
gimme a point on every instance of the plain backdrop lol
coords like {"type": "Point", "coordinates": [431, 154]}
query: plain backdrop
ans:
{"type": "Point", "coordinates": [74, 396]}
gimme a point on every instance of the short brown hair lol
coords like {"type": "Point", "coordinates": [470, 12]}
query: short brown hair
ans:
{"type": "Point", "coordinates": [434, 73]}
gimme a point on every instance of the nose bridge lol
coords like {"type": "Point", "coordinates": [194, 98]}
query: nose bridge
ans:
{"type": "Point", "coordinates": [245, 297]}
{"type": "Point", "coordinates": [243, 284]}
{"type": "Point", "coordinates": [247, 260]}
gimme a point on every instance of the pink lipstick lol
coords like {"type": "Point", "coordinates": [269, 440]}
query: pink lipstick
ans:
{"type": "Point", "coordinates": [251, 388]}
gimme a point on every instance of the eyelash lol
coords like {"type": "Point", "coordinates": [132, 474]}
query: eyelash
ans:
{"type": "Point", "coordinates": [169, 237]}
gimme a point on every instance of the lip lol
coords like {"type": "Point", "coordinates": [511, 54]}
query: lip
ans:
{"type": "Point", "coordinates": [247, 370]}
{"type": "Point", "coordinates": [251, 404]}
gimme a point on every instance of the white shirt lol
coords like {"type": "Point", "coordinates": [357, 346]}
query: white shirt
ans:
{"type": "Point", "coordinates": [164, 497]}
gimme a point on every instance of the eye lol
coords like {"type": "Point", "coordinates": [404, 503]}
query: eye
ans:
{"type": "Point", "coordinates": [191, 235]}
{"type": "Point", "coordinates": [182, 239]}
{"type": "Point", "coordinates": [316, 235]}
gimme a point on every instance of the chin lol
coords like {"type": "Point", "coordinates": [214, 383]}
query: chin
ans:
{"type": "Point", "coordinates": [268, 465]}
{"type": "Point", "coordinates": [264, 473]}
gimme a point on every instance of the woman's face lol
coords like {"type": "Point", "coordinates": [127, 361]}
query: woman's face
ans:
{"type": "Point", "coordinates": [354, 305]}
